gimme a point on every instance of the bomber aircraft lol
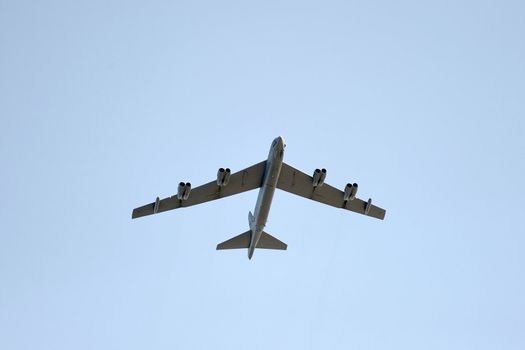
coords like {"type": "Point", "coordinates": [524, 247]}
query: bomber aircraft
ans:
{"type": "Point", "coordinates": [267, 175]}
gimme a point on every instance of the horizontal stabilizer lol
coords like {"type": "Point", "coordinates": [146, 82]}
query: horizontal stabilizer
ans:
{"type": "Point", "coordinates": [237, 242]}
{"type": "Point", "coordinates": [268, 241]}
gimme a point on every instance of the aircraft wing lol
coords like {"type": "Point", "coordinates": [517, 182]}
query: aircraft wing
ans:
{"type": "Point", "coordinates": [296, 182]}
{"type": "Point", "coordinates": [241, 181]}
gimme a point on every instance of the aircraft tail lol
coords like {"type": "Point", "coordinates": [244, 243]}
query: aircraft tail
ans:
{"type": "Point", "coordinates": [266, 241]}
{"type": "Point", "coordinates": [237, 242]}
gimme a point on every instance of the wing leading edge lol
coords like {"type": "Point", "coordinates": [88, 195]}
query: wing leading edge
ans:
{"type": "Point", "coordinates": [296, 182]}
{"type": "Point", "coordinates": [241, 181]}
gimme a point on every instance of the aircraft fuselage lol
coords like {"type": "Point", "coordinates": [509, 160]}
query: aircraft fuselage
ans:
{"type": "Point", "coordinates": [264, 200]}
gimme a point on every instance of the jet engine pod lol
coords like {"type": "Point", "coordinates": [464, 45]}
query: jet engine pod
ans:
{"type": "Point", "coordinates": [354, 192]}
{"type": "Point", "coordinates": [183, 192]}
{"type": "Point", "coordinates": [318, 177]}
{"type": "Point", "coordinates": [227, 177]}
{"type": "Point", "coordinates": [223, 176]}
{"type": "Point", "coordinates": [323, 176]}
{"type": "Point", "coordinates": [221, 173]}
{"type": "Point", "coordinates": [180, 190]}
{"type": "Point", "coordinates": [350, 192]}
{"type": "Point", "coordinates": [187, 191]}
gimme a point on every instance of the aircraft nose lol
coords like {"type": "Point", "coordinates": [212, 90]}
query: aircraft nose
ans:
{"type": "Point", "coordinates": [281, 141]}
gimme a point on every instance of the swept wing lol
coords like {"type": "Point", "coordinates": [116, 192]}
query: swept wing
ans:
{"type": "Point", "coordinates": [296, 182]}
{"type": "Point", "coordinates": [241, 181]}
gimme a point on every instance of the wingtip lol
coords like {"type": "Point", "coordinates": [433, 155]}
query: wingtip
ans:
{"type": "Point", "coordinates": [136, 213]}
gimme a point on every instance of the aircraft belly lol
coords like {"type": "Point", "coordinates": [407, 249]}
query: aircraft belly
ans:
{"type": "Point", "coordinates": [264, 201]}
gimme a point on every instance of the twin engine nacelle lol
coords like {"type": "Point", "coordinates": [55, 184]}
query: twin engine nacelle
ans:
{"type": "Point", "coordinates": [350, 192]}
{"type": "Point", "coordinates": [183, 192]}
{"type": "Point", "coordinates": [223, 176]}
{"type": "Point", "coordinates": [318, 177]}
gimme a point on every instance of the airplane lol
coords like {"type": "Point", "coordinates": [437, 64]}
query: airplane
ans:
{"type": "Point", "coordinates": [267, 175]}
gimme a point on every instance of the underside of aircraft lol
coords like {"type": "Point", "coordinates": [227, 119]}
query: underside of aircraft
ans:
{"type": "Point", "coordinates": [267, 175]}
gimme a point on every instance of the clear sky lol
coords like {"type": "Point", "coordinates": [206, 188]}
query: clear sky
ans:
{"type": "Point", "coordinates": [105, 105]}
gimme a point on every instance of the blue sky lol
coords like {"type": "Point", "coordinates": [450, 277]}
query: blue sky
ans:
{"type": "Point", "coordinates": [106, 104]}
